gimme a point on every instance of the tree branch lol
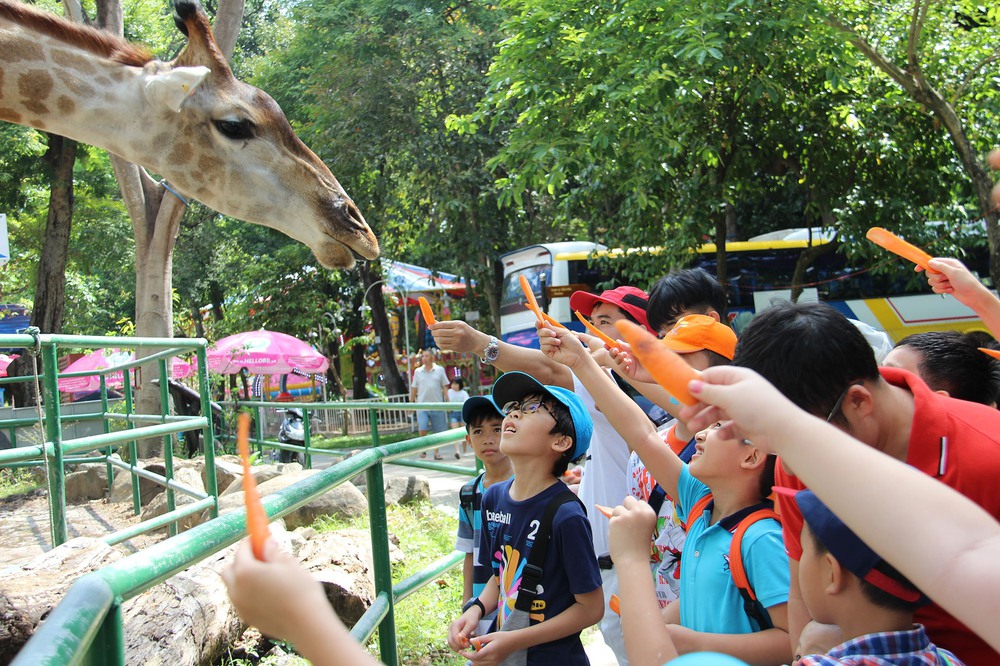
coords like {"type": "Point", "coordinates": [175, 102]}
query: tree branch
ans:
{"type": "Point", "coordinates": [896, 73]}
{"type": "Point", "coordinates": [973, 73]}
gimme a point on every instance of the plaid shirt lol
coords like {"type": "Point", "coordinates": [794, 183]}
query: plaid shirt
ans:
{"type": "Point", "coordinates": [891, 648]}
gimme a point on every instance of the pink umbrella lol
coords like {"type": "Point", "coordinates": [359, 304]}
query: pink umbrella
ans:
{"type": "Point", "coordinates": [102, 359]}
{"type": "Point", "coordinates": [4, 362]}
{"type": "Point", "coordinates": [109, 358]}
{"type": "Point", "coordinates": [264, 352]}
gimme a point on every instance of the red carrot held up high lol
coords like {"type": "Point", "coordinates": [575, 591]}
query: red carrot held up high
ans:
{"type": "Point", "coordinates": [257, 521]}
{"type": "Point", "coordinates": [428, 313]}
{"type": "Point", "coordinates": [593, 330]}
{"type": "Point", "coordinates": [890, 241]}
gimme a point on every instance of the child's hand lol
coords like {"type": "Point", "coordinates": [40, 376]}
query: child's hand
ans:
{"type": "Point", "coordinates": [955, 279]}
{"type": "Point", "coordinates": [493, 648]}
{"type": "Point", "coordinates": [631, 531]}
{"type": "Point", "coordinates": [627, 365]}
{"type": "Point", "coordinates": [462, 629]}
{"type": "Point", "coordinates": [750, 404]}
{"type": "Point", "coordinates": [561, 345]}
{"type": "Point", "coordinates": [275, 595]}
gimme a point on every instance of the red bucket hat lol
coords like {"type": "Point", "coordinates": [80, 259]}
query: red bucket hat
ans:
{"type": "Point", "coordinates": [630, 299]}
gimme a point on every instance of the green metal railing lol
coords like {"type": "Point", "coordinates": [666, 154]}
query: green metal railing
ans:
{"type": "Point", "coordinates": [53, 452]}
{"type": "Point", "coordinates": [86, 627]}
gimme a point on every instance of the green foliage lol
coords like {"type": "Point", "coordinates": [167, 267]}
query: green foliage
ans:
{"type": "Point", "coordinates": [17, 481]}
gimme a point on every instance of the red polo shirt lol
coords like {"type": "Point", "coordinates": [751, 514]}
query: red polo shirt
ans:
{"type": "Point", "coordinates": [957, 442]}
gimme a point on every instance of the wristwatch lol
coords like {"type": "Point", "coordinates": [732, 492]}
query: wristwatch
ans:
{"type": "Point", "coordinates": [491, 352]}
{"type": "Point", "coordinates": [474, 601]}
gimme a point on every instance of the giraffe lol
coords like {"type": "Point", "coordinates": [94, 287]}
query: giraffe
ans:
{"type": "Point", "coordinates": [211, 136]}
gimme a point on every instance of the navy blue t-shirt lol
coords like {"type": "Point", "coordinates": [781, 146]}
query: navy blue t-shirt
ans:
{"type": "Point", "coordinates": [509, 529]}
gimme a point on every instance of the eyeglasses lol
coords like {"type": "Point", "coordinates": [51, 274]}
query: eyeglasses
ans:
{"type": "Point", "coordinates": [526, 408]}
{"type": "Point", "coordinates": [840, 402]}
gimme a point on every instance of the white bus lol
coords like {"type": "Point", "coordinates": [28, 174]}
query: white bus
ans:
{"type": "Point", "coordinates": [759, 272]}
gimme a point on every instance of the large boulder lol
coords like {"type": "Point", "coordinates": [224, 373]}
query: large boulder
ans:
{"type": "Point", "coordinates": [89, 482]}
{"type": "Point", "coordinates": [191, 478]}
{"type": "Point", "coordinates": [121, 487]}
{"type": "Point", "coordinates": [261, 474]}
{"type": "Point", "coordinates": [227, 469]}
{"type": "Point", "coordinates": [407, 489]}
{"type": "Point", "coordinates": [344, 500]}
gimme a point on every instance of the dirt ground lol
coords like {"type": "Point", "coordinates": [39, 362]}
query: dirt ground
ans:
{"type": "Point", "coordinates": [25, 530]}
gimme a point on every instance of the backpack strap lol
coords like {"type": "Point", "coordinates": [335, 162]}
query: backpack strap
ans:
{"type": "Point", "coordinates": [531, 575]}
{"type": "Point", "coordinates": [467, 497]}
{"type": "Point", "coordinates": [656, 498]}
{"type": "Point", "coordinates": [753, 608]}
{"type": "Point", "coordinates": [696, 511]}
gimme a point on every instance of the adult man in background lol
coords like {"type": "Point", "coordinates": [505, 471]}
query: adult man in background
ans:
{"type": "Point", "coordinates": [429, 383]}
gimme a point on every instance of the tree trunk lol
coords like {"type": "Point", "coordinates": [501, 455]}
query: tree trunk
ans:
{"type": "Point", "coordinates": [50, 284]}
{"type": "Point", "coordinates": [394, 384]}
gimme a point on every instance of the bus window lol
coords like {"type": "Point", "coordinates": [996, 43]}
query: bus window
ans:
{"type": "Point", "coordinates": [511, 295]}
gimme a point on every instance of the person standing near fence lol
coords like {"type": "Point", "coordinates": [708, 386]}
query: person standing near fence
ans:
{"type": "Point", "coordinates": [458, 395]}
{"type": "Point", "coordinates": [429, 383]}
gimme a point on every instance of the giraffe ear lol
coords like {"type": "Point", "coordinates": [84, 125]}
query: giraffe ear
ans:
{"type": "Point", "coordinates": [171, 88]}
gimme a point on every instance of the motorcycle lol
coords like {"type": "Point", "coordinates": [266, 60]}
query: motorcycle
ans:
{"type": "Point", "coordinates": [292, 431]}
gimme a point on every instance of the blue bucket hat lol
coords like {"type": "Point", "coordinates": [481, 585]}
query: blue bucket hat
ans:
{"type": "Point", "coordinates": [477, 402]}
{"type": "Point", "coordinates": [513, 386]}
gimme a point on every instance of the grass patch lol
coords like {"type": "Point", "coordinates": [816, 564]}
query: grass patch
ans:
{"type": "Point", "coordinates": [425, 534]}
{"type": "Point", "coordinates": [358, 441]}
{"type": "Point", "coordinates": [17, 481]}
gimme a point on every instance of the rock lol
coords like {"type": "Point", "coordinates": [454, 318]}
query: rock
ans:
{"type": "Point", "coordinates": [344, 500]}
{"type": "Point", "coordinates": [227, 470]}
{"type": "Point", "coordinates": [262, 474]}
{"type": "Point", "coordinates": [89, 482]}
{"type": "Point", "coordinates": [158, 505]}
{"type": "Point", "coordinates": [342, 562]}
{"type": "Point", "coordinates": [405, 490]}
{"type": "Point", "coordinates": [28, 592]}
{"type": "Point", "coordinates": [121, 487]}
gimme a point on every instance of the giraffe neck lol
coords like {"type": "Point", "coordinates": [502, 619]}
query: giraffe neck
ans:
{"type": "Point", "coordinates": [56, 87]}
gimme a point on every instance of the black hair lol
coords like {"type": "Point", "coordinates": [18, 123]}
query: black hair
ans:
{"type": "Point", "coordinates": [715, 358]}
{"type": "Point", "coordinates": [952, 362]}
{"type": "Point", "coordinates": [876, 595]}
{"type": "Point", "coordinates": [479, 415]}
{"type": "Point", "coordinates": [766, 482]}
{"type": "Point", "coordinates": [809, 351]}
{"type": "Point", "coordinates": [563, 426]}
{"type": "Point", "coordinates": [691, 291]}
{"type": "Point", "coordinates": [459, 381]}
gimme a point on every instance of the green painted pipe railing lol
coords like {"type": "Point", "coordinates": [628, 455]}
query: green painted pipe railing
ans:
{"type": "Point", "coordinates": [86, 627]}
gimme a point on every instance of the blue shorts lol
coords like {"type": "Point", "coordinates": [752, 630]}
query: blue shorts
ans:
{"type": "Point", "coordinates": [454, 417]}
{"type": "Point", "coordinates": [436, 421]}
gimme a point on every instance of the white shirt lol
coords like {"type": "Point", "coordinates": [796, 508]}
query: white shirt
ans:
{"type": "Point", "coordinates": [430, 384]}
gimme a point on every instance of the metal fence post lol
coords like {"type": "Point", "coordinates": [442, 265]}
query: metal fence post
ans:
{"type": "Point", "coordinates": [211, 479]}
{"type": "Point", "coordinates": [53, 434]}
{"type": "Point", "coordinates": [379, 526]}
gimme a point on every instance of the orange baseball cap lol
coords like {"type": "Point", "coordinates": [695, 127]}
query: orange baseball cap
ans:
{"type": "Point", "coordinates": [695, 333]}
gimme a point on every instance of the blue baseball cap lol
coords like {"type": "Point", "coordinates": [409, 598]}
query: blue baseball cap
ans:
{"type": "Point", "coordinates": [475, 403]}
{"type": "Point", "coordinates": [513, 386]}
{"type": "Point", "coordinates": [852, 553]}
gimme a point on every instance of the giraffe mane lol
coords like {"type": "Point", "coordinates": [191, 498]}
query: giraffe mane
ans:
{"type": "Point", "coordinates": [80, 36]}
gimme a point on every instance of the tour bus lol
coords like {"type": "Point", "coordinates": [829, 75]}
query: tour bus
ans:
{"type": "Point", "coordinates": [759, 271]}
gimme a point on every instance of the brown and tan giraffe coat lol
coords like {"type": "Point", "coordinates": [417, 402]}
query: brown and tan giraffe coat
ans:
{"type": "Point", "coordinates": [211, 136]}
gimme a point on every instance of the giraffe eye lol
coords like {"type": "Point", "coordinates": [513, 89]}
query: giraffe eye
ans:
{"type": "Point", "coordinates": [235, 129]}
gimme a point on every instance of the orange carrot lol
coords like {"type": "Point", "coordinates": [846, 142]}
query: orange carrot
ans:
{"type": "Point", "coordinates": [257, 521]}
{"type": "Point", "coordinates": [896, 245]}
{"type": "Point", "coordinates": [425, 307]}
{"type": "Point", "coordinates": [667, 367]}
{"type": "Point", "coordinates": [606, 339]}
{"type": "Point", "coordinates": [549, 320]}
{"type": "Point", "coordinates": [992, 352]}
{"type": "Point", "coordinates": [532, 304]}
{"type": "Point", "coordinates": [615, 604]}
{"type": "Point", "coordinates": [603, 509]}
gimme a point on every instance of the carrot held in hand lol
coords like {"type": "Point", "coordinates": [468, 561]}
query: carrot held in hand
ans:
{"type": "Point", "coordinates": [615, 604]}
{"type": "Point", "coordinates": [593, 330]}
{"type": "Point", "coordinates": [549, 320]}
{"type": "Point", "coordinates": [896, 245]}
{"type": "Point", "coordinates": [257, 521]}
{"type": "Point", "coordinates": [991, 352]}
{"type": "Point", "coordinates": [532, 304]}
{"type": "Point", "coordinates": [666, 367]}
{"type": "Point", "coordinates": [425, 308]}
{"type": "Point", "coordinates": [603, 509]}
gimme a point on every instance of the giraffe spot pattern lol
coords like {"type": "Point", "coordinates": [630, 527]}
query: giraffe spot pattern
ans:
{"type": "Point", "coordinates": [65, 104]}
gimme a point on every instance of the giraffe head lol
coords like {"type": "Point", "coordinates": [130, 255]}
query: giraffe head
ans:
{"type": "Point", "coordinates": [235, 151]}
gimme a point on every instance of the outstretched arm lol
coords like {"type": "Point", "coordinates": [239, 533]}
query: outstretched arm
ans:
{"type": "Point", "coordinates": [281, 599]}
{"type": "Point", "coordinates": [458, 336]}
{"type": "Point", "coordinates": [959, 573]}
{"type": "Point", "coordinates": [621, 411]}
{"type": "Point", "coordinates": [955, 279]}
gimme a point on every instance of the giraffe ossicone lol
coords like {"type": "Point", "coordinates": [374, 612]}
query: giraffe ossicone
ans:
{"type": "Point", "coordinates": [213, 137]}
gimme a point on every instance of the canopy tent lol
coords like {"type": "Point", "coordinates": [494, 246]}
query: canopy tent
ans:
{"type": "Point", "coordinates": [411, 281]}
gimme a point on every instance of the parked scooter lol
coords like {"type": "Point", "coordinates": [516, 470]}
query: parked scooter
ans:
{"type": "Point", "coordinates": [292, 431]}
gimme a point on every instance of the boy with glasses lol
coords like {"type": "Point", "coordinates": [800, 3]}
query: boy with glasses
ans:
{"type": "Point", "coordinates": [544, 429]}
